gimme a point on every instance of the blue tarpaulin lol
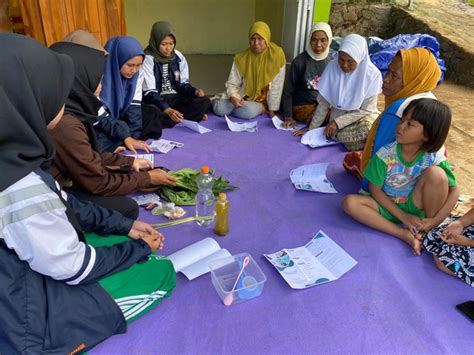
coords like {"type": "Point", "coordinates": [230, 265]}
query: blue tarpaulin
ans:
{"type": "Point", "coordinates": [381, 53]}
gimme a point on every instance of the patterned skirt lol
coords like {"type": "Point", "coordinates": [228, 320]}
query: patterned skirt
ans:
{"type": "Point", "coordinates": [457, 258]}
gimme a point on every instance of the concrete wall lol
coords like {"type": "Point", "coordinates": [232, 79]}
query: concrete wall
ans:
{"type": "Point", "coordinates": [204, 26]}
{"type": "Point", "coordinates": [367, 18]}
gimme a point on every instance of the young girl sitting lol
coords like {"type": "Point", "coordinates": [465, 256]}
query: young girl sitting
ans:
{"type": "Point", "coordinates": [410, 179]}
{"type": "Point", "coordinates": [452, 246]}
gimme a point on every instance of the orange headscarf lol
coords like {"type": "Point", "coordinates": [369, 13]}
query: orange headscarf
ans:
{"type": "Point", "coordinates": [421, 73]}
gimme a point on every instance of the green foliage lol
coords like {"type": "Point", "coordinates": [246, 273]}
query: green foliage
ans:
{"type": "Point", "coordinates": [184, 193]}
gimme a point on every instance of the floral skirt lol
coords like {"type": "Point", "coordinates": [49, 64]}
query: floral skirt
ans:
{"type": "Point", "coordinates": [457, 258]}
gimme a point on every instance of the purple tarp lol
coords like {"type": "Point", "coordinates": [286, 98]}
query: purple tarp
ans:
{"type": "Point", "coordinates": [391, 302]}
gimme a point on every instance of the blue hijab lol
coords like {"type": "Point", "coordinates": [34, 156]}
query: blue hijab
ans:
{"type": "Point", "coordinates": [117, 92]}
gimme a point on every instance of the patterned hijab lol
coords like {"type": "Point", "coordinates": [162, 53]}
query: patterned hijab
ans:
{"type": "Point", "coordinates": [324, 27]}
{"type": "Point", "coordinates": [35, 83]}
{"type": "Point", "coordinates": [159, 31]}
{"type": "Point", "coordinates": [117, 92]}
{"type": "Point", "coordinates": [421, 73]}
{"type": "Point", "coordinates": [258, 70]}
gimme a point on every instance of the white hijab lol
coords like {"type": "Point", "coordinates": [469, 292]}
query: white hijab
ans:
{"type": "Point", "coordinates": [347, 91]}
{"type": "Point", "coordinates": [319, 26]}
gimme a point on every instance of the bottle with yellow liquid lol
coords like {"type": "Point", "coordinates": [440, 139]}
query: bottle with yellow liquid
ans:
{"type": "Point", "coordinates": [222, 215]}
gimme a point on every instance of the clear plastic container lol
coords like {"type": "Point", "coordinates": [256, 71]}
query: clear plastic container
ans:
{"type": "Point", "coordinates": [224, 272]}
{"type": "Point", "coordinates": [205, 200]}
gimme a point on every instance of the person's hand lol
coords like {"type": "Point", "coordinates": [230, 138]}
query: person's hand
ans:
{"type": "Point", "coordinates": [331, 129]}
{"type": "Point", "coordinates": [237, 102]}
{"type": "Point", "coordinates": [161, 177]}
{"type": "Point", "coordinates": [141, 164]}
{"type": "Point", "coordinates": [289, 123]}
{"type": "Point", "coordinates": [120, 149]}
{"type": "Point", "coordinates": [427, 224]}
{"type": "Point", "coordinates": [300, 132]}
{"type": "Point", "coordinates": [155, 241]}
{"type": "Point", "coordinates": [454, 228]}
{"type": "Point", "coordinates": [199, 92]}
{"type": "Point", "coordinates": [175, 115]}
{"type": "Point", "coordinates": [132, 144]}
{"type": "Point", "coordinates": [141, 229]}
{"type": "Point", "coordinates": [456, 239]}
{"type": "Point", "coordinates": [412, 222]}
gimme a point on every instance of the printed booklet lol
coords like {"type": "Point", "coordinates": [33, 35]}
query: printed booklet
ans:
{"type": "Point", "coordinates": [319, 261]}
{"type": "Point", "coordinates": [193, 260]}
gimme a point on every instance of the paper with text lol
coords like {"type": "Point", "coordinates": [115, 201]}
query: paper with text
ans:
{"type": "Point", "coordinates": [164, 146]}
{"type": "Point", "coordinates": [278, 123]}
{"type": "Point", "coordinates": [312, 178]}
{"type": "Point", "coordinates": [316, 138]}
{"type": "Point", "coordinates": [241, 126]}
{"type": "Point", "coordinates": [149, 157]}
{"type": "Point", "coordinates": [321, 260]}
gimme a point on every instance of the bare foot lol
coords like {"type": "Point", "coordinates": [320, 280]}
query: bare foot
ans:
{"type": "Point", "coordinates": [413, 240]}
{"type": "Point", "coordinates": [205, 117]}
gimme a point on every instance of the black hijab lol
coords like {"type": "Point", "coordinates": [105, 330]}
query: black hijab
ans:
{"type": "Point", "coordinates": [89, 68]}
{"type": "Point", "coordinates": [34, 84]}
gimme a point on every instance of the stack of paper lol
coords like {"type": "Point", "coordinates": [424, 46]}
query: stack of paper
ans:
{"type": "Point", "coordinates": [241, 127]}
{"type": "Point", "coordinates": [164, 146]}
{"type": "Point", "coordinates": [312, 178]}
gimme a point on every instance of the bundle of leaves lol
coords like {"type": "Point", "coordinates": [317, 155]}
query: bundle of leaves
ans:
{"type": "Point", "coordinates": [184, 193]}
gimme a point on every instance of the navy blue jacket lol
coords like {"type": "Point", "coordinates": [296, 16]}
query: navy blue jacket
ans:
{"type": "Point", "coordinates": [43, 315]}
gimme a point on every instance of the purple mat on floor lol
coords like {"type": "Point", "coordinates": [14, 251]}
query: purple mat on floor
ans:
{"type": "Point", "coordinates": [391, 302]}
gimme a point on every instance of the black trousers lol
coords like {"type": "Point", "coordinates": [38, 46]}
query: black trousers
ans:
{"type": "Point", "coordinates": [193, 109]}
{"type": "Point", "coordinates": [123, 204]}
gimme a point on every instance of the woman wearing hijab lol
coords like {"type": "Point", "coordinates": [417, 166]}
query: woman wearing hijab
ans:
{"type": "Point", "coordinates": [56, 293]}
{"type": "Point", "coordinates": [256, 80]}
{"type": "Point", "coordinates": [411, 75]}
{"type": "Point", "coordinates": [166, 80]}
{"type": "Point", "coordinates": [349, 87]}
{"type": "Point", "coordinates": [79, 165]}
{"type": "Point", "coordinates": [120, 118]}
{"type": "Point", "coordinates": [301, 86]}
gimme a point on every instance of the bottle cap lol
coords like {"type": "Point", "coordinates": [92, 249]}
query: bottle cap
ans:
{"type": "Point", "coordinates": [205, 169]}
{"type": "Point", "coordinates": [222, 196]}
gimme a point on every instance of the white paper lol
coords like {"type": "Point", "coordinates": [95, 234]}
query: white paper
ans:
{"type": "Point", "coordinates": [164, 146]}
{"type": "Point", "coordinates": [193, 260]}
{"type": "Point", "coordinates": [149, 157]}
{"type": "Point", "coordinates": [279, 125]}
{"type": "Point", "coordinates": [196, 127]}
{"type": "Point", "coordinates": [316, 138]}
{"type": "Point", "coordinates": [319, 261]}
{"type": "Point", "coordinates": [312, 178]}
{"type": "Point", "coordinates": [241, 126]}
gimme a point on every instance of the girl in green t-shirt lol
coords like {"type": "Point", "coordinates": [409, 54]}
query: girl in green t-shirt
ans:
{"type": "Point", "coordinates": [410, 179]}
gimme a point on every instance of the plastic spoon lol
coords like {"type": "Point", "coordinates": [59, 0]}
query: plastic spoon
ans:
{"type": "Point", "coordinates": [230, 297]}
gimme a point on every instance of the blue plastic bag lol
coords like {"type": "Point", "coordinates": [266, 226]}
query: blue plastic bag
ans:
{"type": "Point", "coordinates": [382, 53]}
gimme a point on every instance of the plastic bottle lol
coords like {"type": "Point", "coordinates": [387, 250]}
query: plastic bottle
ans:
{"type": "Point", "coordinates": [205, 200]}
{"type": "Point", "coordinates": [222, 215]}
